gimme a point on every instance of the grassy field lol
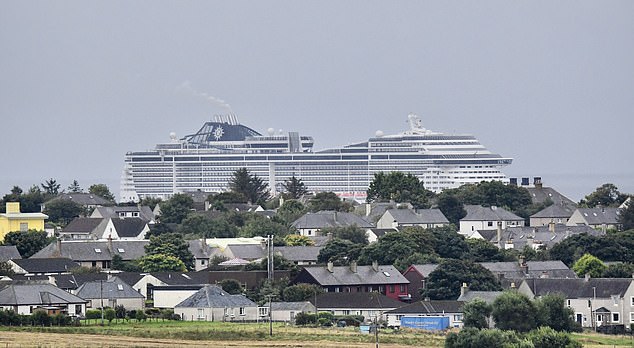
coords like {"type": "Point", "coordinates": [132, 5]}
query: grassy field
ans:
{"type": "Point", "coordinates": [232, 334]}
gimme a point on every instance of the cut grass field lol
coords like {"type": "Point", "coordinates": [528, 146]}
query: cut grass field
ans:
{"type": "Point", "coordinates": [195, 334]}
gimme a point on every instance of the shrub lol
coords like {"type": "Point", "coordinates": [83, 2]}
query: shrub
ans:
{"type": "Point", "coordinates": [305, 319]}
{"type": "Point", "coordinates": [351, 320]}
{"type": "Point", "coordinates": [93, 314]}
{"type": "Point", "coordinates": [140, 315]}
{"type": "Point", "coordinates": [61, 319]}
{"type": "Point", "coordinates": [120, 311]}
{"type": "Point", "coordinates": [546, 337]}
{"type": "Point", "coordinates": [109, 314]}
{"type": "Point", "coordinates": [40, 317]}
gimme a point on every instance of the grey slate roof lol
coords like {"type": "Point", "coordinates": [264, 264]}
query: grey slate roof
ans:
{"type": "Point", "coordinates": [247, 252]}
{"type": "Point", "coordinates": [305, 306]}
{"type": "Point", "coordinates": [599, 216]}
{"type": "Point", "coordinates": [48, 265]}
{"type": "Point", "coordinates": [324, 219]}
{"type": "Point", "coordinates": [9, 252]}
{"type": "Point", "coordinates": [536, 269]}
{"type": "Point", "coordinates": [425, 269]}
{"type": "Point", "coordinates": [429, 307]}
{"type": "Point", "coordinates": [144, 211]}
{"type": "Point", "coordinates": [212, 296]}
{"type": "Point", "coordinates": [541, 194]}
{"type": "Point", "coordinates": [580, 288]}
{"type": "Point", "coordinates": [36, 294]}
{"type": "Point", "coordinates": [421, 216]}
{"type": "Point", "coordinates": [200, 249]}
{"type": "Point", "coordinates": [298, 253]}
{"type": "Point", "coordinates": [555, 211]}
{"type": "Point", "coordinates": [479, 213]}
{"type": "Point", "coordinates": [361, 300]}
{"type": "Point", "coordinates": [113, 288]}
{"type": "Point", "coordinates": [343, 275]}
{"type": "Point", "coordinates": [380, 232]}
{"type": "Point", "coordinates": [182, 278]}
{"type": "Point", "coordinates": [73, 281]}
{"type": "Point", "coordinates": [86, 250]}
{"type": "Point", "coordinates": [128, 227]}
{"type": "Point", "coordinates": [82, 199]}
{"type": "Point", "coordinates": [542, 235]}
{"type": "Point", "coordinates": [82, 225]}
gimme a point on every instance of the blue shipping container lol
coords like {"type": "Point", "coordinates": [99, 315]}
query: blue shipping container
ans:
{"type": "Point", "coordinates": [426, 323]}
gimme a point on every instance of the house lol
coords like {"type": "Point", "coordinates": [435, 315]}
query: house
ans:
{"type": "Point", "coordinates": [26, 297]}
{"type": "Point", "coordinates": [171, 286]}
{"type": "Point", "coordinates": [426, 308]}
{"type": "Point", "coordinates": [370, 305]}
{"type": "Point", "coordinates": [539, 237]}
{"type": "Point", "coordinates": [141, 212]}
{"type": "Point", "coordinates": [299, 255]}
{"type": "Point", "coordinates": [374, 234]}
{"type": "Point", "coordinates": [373, 211]}
{"type": "Point", "coordinates": [211, 303]}
{"type": "Point", "coordinates": [83, 228]}
{"type": "Point", "coordinates": [85, 200]}
{"type": "Point", "coordinates": [384, 279]}
{"type": "Point", "coordinates": [170, 295]}
{"type": "Point", "coordinates": [110, 293]}
{"type": "Point", "coordinates": [13, 220]}
{"type": "Point", "coordinates": [70, 282]}
{"type": "Point", "coordinates": [9, 252]}
{"type": "Point", "coordinates": [202, 253]}
{"type": "Point", "coordinates": [543, 195]}
{"type": "Point", "coordinates": [399, 218]}
{"type": "Point", "coordinates": [311, 224]}
{"type": "Point", "coordinates": [94, 253]}
{"type": "Point", "coordinates": [597, 218]}
{"type": "Point", "coordinates": [417, 276]}
{"type": "Point", "coordinates": [487, 218]}
{"type": "Point", "coordinates": [285, 311]}
{"type": "Point", "coordinates": [42, 266]}
{"type": "Point", "coordinates": [133, 228]}
{"type": "Point", "coordinates": [555, 213]}
{"type": "Point", "coordinates": [595, 301]}
{"type": "Point", "coordinates": [250, 280]}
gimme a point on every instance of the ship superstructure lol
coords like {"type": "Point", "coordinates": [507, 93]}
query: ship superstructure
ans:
{"type": "Point", "coordinates": [207, 159]}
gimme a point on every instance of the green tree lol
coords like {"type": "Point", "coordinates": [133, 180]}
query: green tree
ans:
{"type": "Point", "coordinates": [326, 201]}
{"type": "Point", "coordinates": [74, 187]}
{"type": "Point", "coordinates": [546, 337]}
{"type": "Point", "coordinates": [451, 206]}
{"type": "Point", "coordinates": [298, 240]}
{"type": "Point", "coordinates": [5, 270]}
{"type": "Point", "coordinates": [553, 312]}
{"type": "Point", "coordinates": [161, 263]}
{"type": "Point", "coordinates": [495, 193]}
{"type": "Point", "coordinates": [203, 226]}
{"type": "Point", "coordinates": [445, 281]}
{"type": "Point", "coordinates": [612, 247]}
{"type": "Point", "coordinates": [606, 195]}
{"type": "Point", "coordinates": [218, 200]}
{"type": "Point", "coordinates": [476, 314]}
{"type": "Point", "coordinates": [102, 191]}
{"type": "Point", "coordinates": [62, 211]}
{"type": "Point", "coordinates": [626, 216]}
{"type": "Point", "coordinates": [294, 187]}
{"type": "Point", "coordinates": [340, 252]}
{"type": "Point", "coordinates": [151, 202]}
{"type": "Point", "coordinates": [301, 292]}
{"type": "Point", "coordinates": [589, 264]}
{"type": "Point", "coordinates": [473, 338]}
{"type": "Point", "coordinates": [251, 186]}
{"type": "Point", "coordinates": [352, 233]}
{"type": "Point", "coordinates": [231, 286]}
{"type": "Point", "coordinates": [258, 225]}
{"type": "Point", "coordinates": [109, 314]}
{"type": "Point", "coordinates": [170, 244]}
{"type": "Point", "coordinates": [125, 266]}
{"type": "Point", "coordinates": [291, 210]}
{"type": "Point", "coordinates": [514, 311]}
{"type": "Point", "coordinates": [619, 270]}
{"type": "Point", "coordinates": [398, 187]}
{"type": "Point", "coordinates": [51, 187]}
{"type": "Point", "coordinates": [483, 251]}
{"type": "Point", "coordinates": [448, 243]}
{"type": "Point", "coordinates": [176, 208]}
{"type": "Point", "coordinates": [28, 242]}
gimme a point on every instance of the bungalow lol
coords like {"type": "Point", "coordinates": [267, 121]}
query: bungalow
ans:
{"type": "Point", "coordinates": [42, 266]}
{"type": "Point", "coordinates": [85, 200]}
{"type": "Point", "coordinates": [285, 311]}
{"type": "Point", "coordinates": [542, 237]}
{"type": "Point", "coordinates": [311, 224]}
{"type": "Point", "coordinates": [385, 279]}
{"type": "Point", "coordinates": [426, 308]}
{"type": "Point", "coordinates": [487, 218]}
{"type": "Point", "coordinates": [83, 228]}
{"type": "Point", "coordinates": [211, 303]}
{"type": "Point", "coordinates": [595, 301]}
{"type": "Point", "coordinates": [399, 218]}
{"type": "Point", "coordinates": [371, 305]}
{"type": "Point", "coordinates": [110, 293]}
{"type": "Point", "coordinates": [558, 214]}
{"type": "Point", "coordinates": [26, 297]}
{"type": "Point", "coordinates": [117, 228]}
{"type": "Point", "coordinates": [92, 253]}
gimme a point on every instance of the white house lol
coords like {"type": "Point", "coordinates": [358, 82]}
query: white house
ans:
{"type": "Point", "coordinates": [25, 298]}
{"type": "Point", "coordinates": [487, 218]}
{"type": "Point", "coordinates": [211, 303]}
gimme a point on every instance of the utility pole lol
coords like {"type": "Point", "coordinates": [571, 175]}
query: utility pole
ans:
{"type": "Point", "coordinates": [101, 298]}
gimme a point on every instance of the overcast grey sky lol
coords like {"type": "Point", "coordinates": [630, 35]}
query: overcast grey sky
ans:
{"type": "Point", "coordinates": [549, 83]}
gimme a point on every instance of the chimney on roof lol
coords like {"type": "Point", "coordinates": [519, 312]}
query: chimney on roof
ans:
{"type": "Point", "coordinates": [586, 277]}
{"type": "Point", "coordinates": [523, 265]}
{"type": "Point", "coordinates": [334, 217]}
{"type": "Point", "coordinates": [353, 266]}
{"type": "Point", "coordinates": [500, 235]}
{"type": "Point", "coordinates": [329, 235]}
{"type": "Point", "coordinates": [551, 226]}
{"type": "Point", "coordinates": [537, 182]}
{"type": "Point", "coordinates": [375, 265]}
{"type": "Point", "coordinates": [330, 266]}
{"type": "Point", "coordinates": [59, 246]}
{"type": "Point", "coordinates": [512, 285]}
{"type": "Point", "coordinates": [544, 274]}
{"type": "Point", "coordinates": [368, 209]}
{"type": "Point", "coordinates": [110, 243]}
{"type": "Point", "coordinates": [464, 289]}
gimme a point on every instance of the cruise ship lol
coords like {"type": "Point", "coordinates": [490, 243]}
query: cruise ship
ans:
{"type": "Point", "coordinates": [205, 161]}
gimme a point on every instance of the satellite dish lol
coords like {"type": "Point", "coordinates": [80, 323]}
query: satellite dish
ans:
{"type": "Point", "coordinates": [379, 133]}
{"type": "Point", "coordinates": [271, 131]}
{"type": "Point", "coordinates": [172, 135]}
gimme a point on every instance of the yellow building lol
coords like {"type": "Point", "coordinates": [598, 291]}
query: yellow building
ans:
{"type": "Point", "coordinates": [14, 220]}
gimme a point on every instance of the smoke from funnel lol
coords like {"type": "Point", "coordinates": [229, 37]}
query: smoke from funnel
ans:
{"type": "Point", "coordinates": [186, 86]}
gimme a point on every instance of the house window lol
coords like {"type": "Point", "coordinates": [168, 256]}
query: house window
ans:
{"type": "Point", "coordinates": [631, 317]}
{"type": "Point", "coordinates": [457, 317]}
{"type": "Point", "coordinates": [489, 223]}
{"type": "Point", "coordinates": [403, 289]}
{"type": "Point", "coordinates": [263, 311]}
{"type": "Point", "coordinates": [632, 301]}
{"type": "Point", "coordinates": [615, 300]}
{"type": "Point", "coordinates": [242, 311]}
{"type": "Point", "coordinates": [346, 312]}
{"type": "Point", "coordinates": [24, 226]}
{"type": "Point", "coordinates": [392, 289]}
{"type": "Point", "coordinates": [201, 313]}
{"type": "Point", "coordinates": [77, 309]}
{"type": "Point", "coordinates": [615, 317]}
{"type": "Point", "coordinates": [398, 317]}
